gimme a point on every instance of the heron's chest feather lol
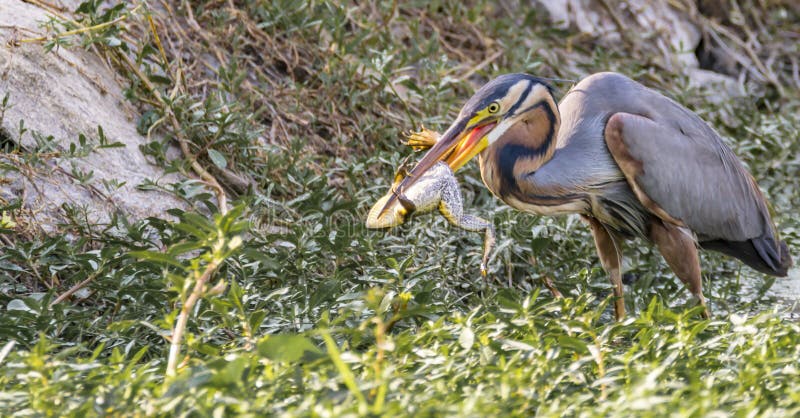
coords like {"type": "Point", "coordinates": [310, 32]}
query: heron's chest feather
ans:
{"type": "Point", "coordinates": [524, 194]}
{"type": "Point", "coordinates": [553, 207]}
{"type": "Point", "coordinates": [618, 209]}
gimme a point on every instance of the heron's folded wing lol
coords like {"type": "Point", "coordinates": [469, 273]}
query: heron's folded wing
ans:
{"type": "Point", "coordinates": [681, 169]}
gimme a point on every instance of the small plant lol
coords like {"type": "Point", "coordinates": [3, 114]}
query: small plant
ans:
{"type": "Point", "coordinates": [216, 242]}
{"type": "Point", "coordinates": [285, 305]}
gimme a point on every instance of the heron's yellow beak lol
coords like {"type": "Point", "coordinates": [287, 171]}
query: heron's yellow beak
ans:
{"type": "Point", "coordinates": [457, 145]}
{"type": "Point", "coordinates": [470, 146]}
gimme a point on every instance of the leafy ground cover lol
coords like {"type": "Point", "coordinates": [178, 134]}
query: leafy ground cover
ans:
{"type": "Point", "coordinates": [295, 109]}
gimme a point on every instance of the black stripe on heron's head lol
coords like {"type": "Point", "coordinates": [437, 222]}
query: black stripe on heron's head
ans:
{"type": "Point", "coordinates": [509, 155]}
{"type": "Point", "coordinates": [498, 88]}
{"type": "Point", "coordinates": [521, 99]}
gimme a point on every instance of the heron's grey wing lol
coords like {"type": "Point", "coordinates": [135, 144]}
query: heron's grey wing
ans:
{"type": "Point", "coordinates": [683, 173]}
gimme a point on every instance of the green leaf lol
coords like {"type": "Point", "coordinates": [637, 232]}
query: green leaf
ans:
{"type": "Point", "coordinates": [20, 305]}
{"type": "Point", "coordinates": [147, 120]}
{"type": "Point", "coordinates": [157, 257]}
{"type": "Point", "coordinates": [467, 338]}
{"type": "Point", "coordinates": [217, 158]}
{"type": "Point", "coordinates": [230, 373]}
{"type": "Point", "coordinates": [287, 347]}
{"type": "Point", "coordinates": [184, 247]}
{"type": "Point", "coordinates": [573, 344]}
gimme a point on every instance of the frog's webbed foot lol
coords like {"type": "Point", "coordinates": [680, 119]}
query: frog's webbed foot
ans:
{"type": "Point", "coordinates": [401, 173]}
{"type": "Point", "coordinates": [488, 244]}
{"type": "Point", "coordinates": [423, 139]}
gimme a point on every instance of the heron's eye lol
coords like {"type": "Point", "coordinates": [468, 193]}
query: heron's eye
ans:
{"type": "Point", "coordinates": [493, 107]}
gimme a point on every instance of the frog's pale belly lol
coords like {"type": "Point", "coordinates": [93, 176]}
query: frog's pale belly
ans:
{"type": "Point", "coordinates": [437, 188]}
{"type": "Point", "coordinates": [427, 192]}
{"type": "Point", "coordinates": [425, 195]}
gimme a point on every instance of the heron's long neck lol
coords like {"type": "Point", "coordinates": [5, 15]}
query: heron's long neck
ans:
{"type": "Point", "coordinates": [507, 165]}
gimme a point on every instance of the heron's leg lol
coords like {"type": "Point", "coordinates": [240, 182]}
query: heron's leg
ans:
{"type": "Point", "coordinates": [423, 139]}
{"type": "Point", "coordinates": [680, 252]}
{"type": "Point", "coordinates": [611, 258]}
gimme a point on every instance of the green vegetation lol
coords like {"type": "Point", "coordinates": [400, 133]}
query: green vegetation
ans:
{"type": "Point", "coordinates": [295, 109]}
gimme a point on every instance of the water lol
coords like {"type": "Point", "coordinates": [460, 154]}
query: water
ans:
{"type": "Point", "coordinates": [783, 294]}
{"type": "Point", "coordinates": [786, 290]}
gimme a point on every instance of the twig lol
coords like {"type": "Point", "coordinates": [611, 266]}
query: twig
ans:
{"type": "Point", "coordinates": [79, 30]}
{"type": "Point", "coordinates": [481, 65]}
{"type": "Point", "coordinates": [199, 30]}
{"type": "Point", "coordinates": [222, 199]}
{"type": "Point", "coordinates": [183, 318]}
{"type": "Point", "coordinates": [716, 29]}
{"type": "Point", "coordinates": [158, 42]}
{"type": "Point", "coordinates": [202, 172]}
{"type": "Point", "coordinates": [56, 10]}
{"type": "Point", "coordinates": [72, 290]}
{"type": "Point", "coordinates": [6, 241]}
{"type": "Point", "coordinates": [768, 74]}
{"type": "Point", "coordinates": [623, 32]}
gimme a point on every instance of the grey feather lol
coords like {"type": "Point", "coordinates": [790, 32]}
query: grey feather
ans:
{"type": "Point", "coordinates": [688, 169]}
{"type": "Point", "coordinates": [682, 167]}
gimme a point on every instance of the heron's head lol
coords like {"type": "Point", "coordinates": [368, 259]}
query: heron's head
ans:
{"type": "Point", "coordinates": [485, 118]}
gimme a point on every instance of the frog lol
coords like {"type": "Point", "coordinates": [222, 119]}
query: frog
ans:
{"type": "Point", "coordinates": [437, 188]}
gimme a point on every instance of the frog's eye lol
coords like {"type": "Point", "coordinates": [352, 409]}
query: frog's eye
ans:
{"type": "Point", "coordinates": [493, 107]}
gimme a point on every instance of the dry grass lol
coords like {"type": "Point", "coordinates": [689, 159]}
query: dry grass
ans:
{"type": "Point", "coordinates": [295, 109]}
{"type": "Point", "coordinates": [291, 67]}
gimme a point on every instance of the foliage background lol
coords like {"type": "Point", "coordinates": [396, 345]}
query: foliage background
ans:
{"type": "Point", "coordinates": [295, 109]}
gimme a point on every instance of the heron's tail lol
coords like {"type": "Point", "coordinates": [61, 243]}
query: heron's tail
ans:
{"type": "Point", "coordinates": [765, 254]}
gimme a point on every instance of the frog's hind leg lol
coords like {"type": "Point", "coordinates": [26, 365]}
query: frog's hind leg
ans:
{"type": "Point", "coordinates": [452, 208]}
{"type": "Point", "coordinates": [474, 223]}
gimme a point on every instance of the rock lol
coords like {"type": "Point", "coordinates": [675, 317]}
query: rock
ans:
{"type": "Point", "coordinates": [62, 94]}
{"type": "Point", "coordinates": [674, 34]}
{"type": "Point", "coordinates": [587, 16]}
{"type": "Point", "coordinates": [711, 81]}
{"type": "Point", "coordinates": [656, 26]}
